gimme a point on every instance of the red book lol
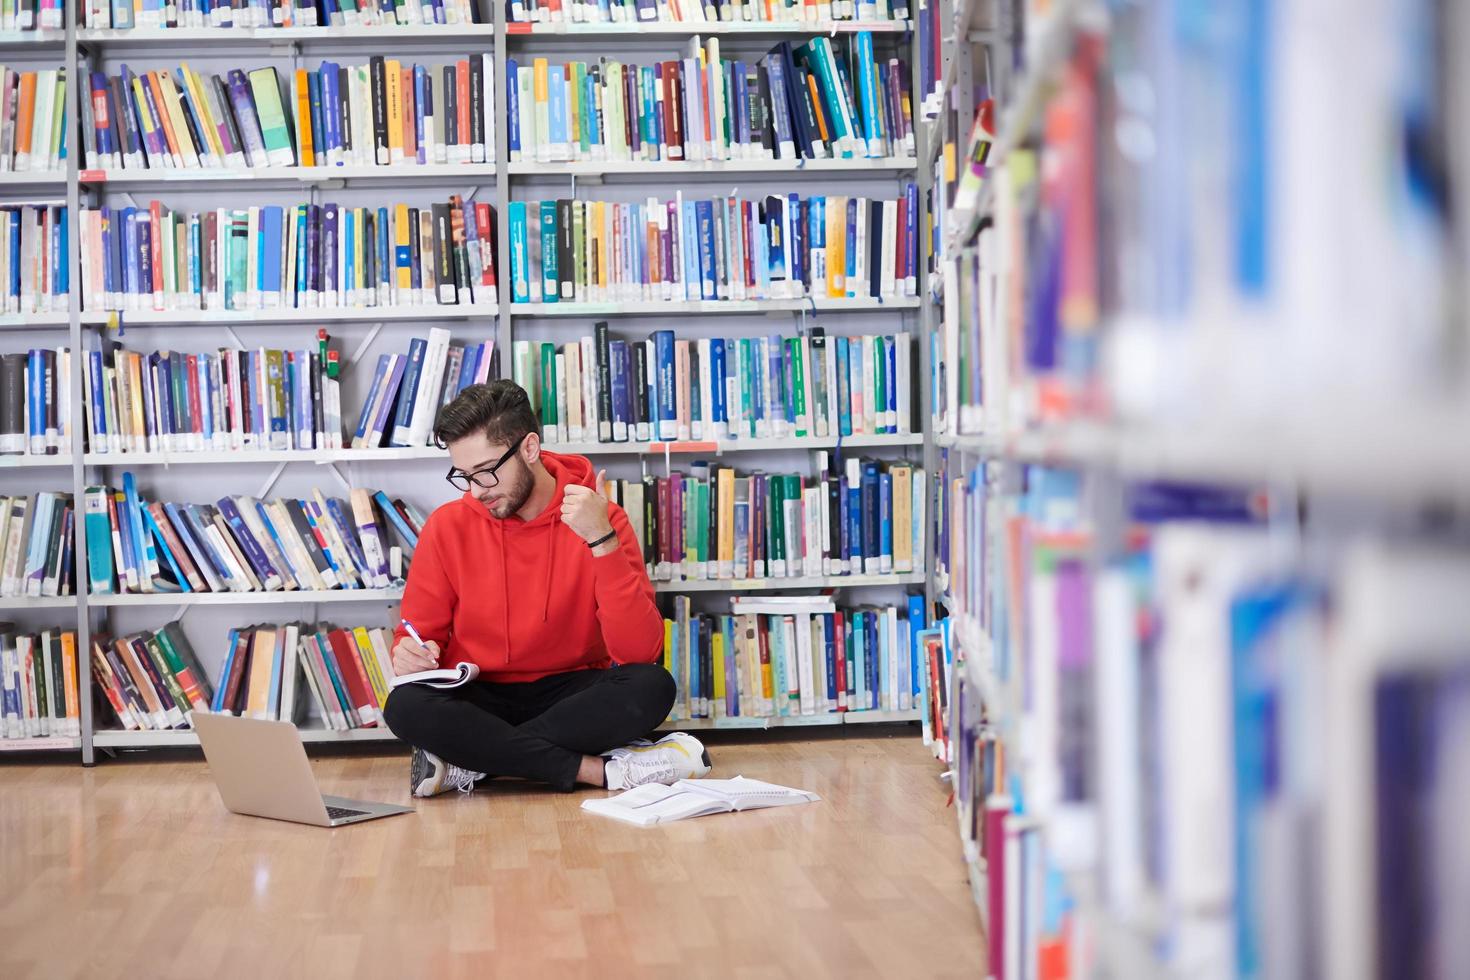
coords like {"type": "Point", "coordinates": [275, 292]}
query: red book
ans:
{"type": "Point", "coordinates": [676, 523]}
{"type": "Point", "coordinates": [239, 665]}
{"type": "Point", "coordinates": [191, 362]}
{"type": "Point", "coordinates": [665, 530]}
{"type": "Point", "coordinates": [673, 110]}
{"type": "Point", "coordinates": [349, 666]}
{"type": "Point", "coordinates": [839, 646]}
{"type": "Point", "coordinates": [410, 115]}
{"type": "Point", "coordinates": [746, 248]}
{"type": "Point", "coordinates": [462, 115]}
{"type": "Point", "coordinates": [155, 247]}
{"type": "Point", "coordinates": [486, 226]}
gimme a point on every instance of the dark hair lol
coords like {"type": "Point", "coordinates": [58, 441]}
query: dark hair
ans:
{"type": "Point", "coordinates": [501, 409]}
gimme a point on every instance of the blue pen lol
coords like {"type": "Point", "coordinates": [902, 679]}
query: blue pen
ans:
{"type": "Point", "coordinates": [415, 634]}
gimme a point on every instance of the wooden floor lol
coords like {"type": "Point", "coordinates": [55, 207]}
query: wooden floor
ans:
{"type": "Point", "coordinates": [133, 868]}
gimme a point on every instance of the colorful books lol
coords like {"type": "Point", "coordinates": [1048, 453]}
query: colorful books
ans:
{"type": "Point", "coordinates": [306, 256]}
{"type": "Point", "coordinates": [703, 107]}
{"type": "Point", "coordinates": [864, 518]}
{"type": "Point", "coordinates": [33, 241]}
{"type": "Point", "coordinates": [349, 674]}
{"type": "Point", "coordinates": [29, 15]}
{"type": "Point", "coordinates": [607, 389]}
{"type": "Point", "coordinates": [37, 550]}
{"type": "Point", "coordinates": [336, 115]}
{"type": "Point", "coordinates": [728, 248]}
{"type": "Point", "coordinates": [694, 11]}
{"type": "Point", "coordinates": [241, 544]}
{"type": "Point", "coordinates": [32, 107]}
{"type": "Point", "coordinates": [38, 684]}
{"type": "Point", "coordinates": [784, 656]}
{"type": "Point", "coordinates": [264, 14]}
{"type": "Point", "coordinates": [35, 410]}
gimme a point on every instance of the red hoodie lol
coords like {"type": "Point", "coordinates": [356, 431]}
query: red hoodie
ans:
{"type": "Point", "coordinates": [523, 599]}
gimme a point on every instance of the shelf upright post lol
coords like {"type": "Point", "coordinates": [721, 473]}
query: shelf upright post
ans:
{"type": "Point", "coordinates": [504, 334]}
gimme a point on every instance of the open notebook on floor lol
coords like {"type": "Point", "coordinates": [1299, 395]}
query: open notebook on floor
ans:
{"type": "Point", "coordinates": [655, 803]}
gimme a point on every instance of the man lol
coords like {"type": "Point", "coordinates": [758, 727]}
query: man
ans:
{"type": "Point", "coordinates": [537, 579]}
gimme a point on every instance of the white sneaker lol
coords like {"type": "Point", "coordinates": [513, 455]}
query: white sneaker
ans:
{"type": "Point", "coordinates": [429, 775]}
{"type": "Point", "coordinates": [670, 759]}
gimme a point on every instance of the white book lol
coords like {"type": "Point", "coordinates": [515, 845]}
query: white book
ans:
{"type": "Point", "coordinates": [313, 684]}
{"type": "Point", "coordinates": [289, 673]}
{"type": "Point", "coordinates": [802, 634]}
{"type": "Point", "coordinates": [889, 277]}
{"type": "Point", "coordinates": [431, 381]}
{"type": "Point", "coordinates": [592, 421]}
{"type": "Point", "coordinates": [655, 803]}
{"type": "Point", "coordinates": [560, 384]}
{"type": "Point", "coordinates": [903, 369]}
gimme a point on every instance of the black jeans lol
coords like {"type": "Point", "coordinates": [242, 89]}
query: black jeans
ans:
{"type": "Point", "coordinates": [537, 730]}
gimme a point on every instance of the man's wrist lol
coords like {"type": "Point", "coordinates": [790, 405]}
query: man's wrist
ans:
{"type": "Point", "coordinates": [605, 543]}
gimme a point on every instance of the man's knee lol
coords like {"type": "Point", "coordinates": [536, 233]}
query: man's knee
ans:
{"type": "Point", "coordinates": [404, 706]}
{"type": "Point", "coordinates": [653, 688]}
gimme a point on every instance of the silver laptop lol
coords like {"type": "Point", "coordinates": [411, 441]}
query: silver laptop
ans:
{"type": "Point", "coordinates": [261, 770]}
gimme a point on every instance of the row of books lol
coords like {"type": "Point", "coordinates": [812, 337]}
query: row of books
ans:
{"type": "Point", "coordinates": [39, 694]}
{"type": "Point", "coordinates": [306, 256]}
{"type": "Point", "coordinates": [814, 101]}
{"type": "Point", "coordinates": [862, 517]}
{"type": "Point", "coordinates": [32, 117]}
{"type": "Point", "coordinates": [35, 402]}
{"type": "Point", "coordinates": [695, 11]}
{"type": "Point", "coordinates": [383, 113]}
{"type": "Point", "coordinates": [784, 656]}
{"type": "Point", "coordinates": [152, 679]}
{"type": "Point", "coordinates": [30, 15]}
{"type": "Point", "coordinates": [153, 15]}
{"type": "Point", "coordinates": [240, 544]}
{"type": "Point", "coordinates": [728, 248]}
{"type": "Point", "coordinates": [37, 545]}
{"type": "Point", "coordinates": [33, 248]}
{"type": "Point", "coordinates": [607, 389]}
{"type": "Point", "coordinates": [349, 673]}
{"type": "Point", "coordinates": [268, 399]}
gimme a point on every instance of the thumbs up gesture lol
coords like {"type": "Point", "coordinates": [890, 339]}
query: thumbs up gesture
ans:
{"type": "Point", "coordinates": [584, 510]}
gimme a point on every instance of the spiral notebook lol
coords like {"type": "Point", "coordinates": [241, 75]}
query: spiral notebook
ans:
{"type": "Point", "coordinates": [655, 803]}
{"type": "Point", "coordinates": [444, 677]}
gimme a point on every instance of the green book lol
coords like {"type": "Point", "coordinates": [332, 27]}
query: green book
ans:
{"type": "Point", "coordinates": [776, 535]}
{"type": "Point", "coordinates": [584, 118]}
{"type": "Point", "coordinates": [701, 488]}
{"type": "Point", "coordinates": [160, 662]}
{"type": "Point", "coordinates": [880, 383]}
{"type": "Point", "coordinates": [745, 376]}
{"type": "Point", "coordinates": [579, 238]}
{"type": "Point", "coordinates": [798, 384]}
{"type": "Point", "coordinates": [239, 241]}
{"type": "Point", "coordinates": [548, 386]}
{"type": "Point", "coordinates": [265, 86]}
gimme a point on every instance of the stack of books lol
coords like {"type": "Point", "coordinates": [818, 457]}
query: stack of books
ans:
{"type": "Point", "coordinates": [349, 673]}
{"type": "Point", "coordinates": [241, 544]}
{"type": "Point", "coordinates": [409, 389]}
{"type": "Point", "coordinates": [32, 111]}
{"type": "Point", "coordinates": [864, 518]}
{"type": "Point", "coordinates": [305, 256]}
{"type": "Point", "coordinates": [605, 389]}
{"type": "Point", "coordinates": [816, 100]}
{"type": "Point", "coordinates": [155, 15]}
{"type": "Point", "coordinates": [384, 113]}
{"type": "Point", "coordinates": [33, 240]}
{"type": "Point", "coordinates": [728, 248]}
{"type": "Point", "coordinates": [35, 407]}
{"type": "Point", "coordinates": [693, 11]}
{"type": "Point", "coordinates": [152, 679]}
{"type": "Point", "coordinates": [37, 545]}
{"type": "Point", "coordinates": [779, 656]}
{"type": "Point", "coordinates": [39, 671]}
{"type": "Point", "coordinates": [28, 15]}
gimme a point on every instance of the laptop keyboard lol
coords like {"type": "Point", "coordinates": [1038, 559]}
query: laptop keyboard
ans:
{"type": "Point", "coordinates": [338, 812]}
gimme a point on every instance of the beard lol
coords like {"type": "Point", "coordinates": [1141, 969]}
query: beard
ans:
{"type": "Point", "coordinates": [513, 493]}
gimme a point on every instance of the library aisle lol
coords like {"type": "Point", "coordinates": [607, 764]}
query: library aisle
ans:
{"type": "Point", "coordinates": [510, 882]}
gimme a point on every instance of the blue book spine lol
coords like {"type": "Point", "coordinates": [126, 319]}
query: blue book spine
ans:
{"type": "Point", "coordinates": [206, 399]}
{"type": "Point", "coordinates": [617, 356]}
{"type": "Point", "coordinates": [705, 230]}
{"type": "Point", "coordinates": [550, 285]}
{"type": "Point", "coordinates": [272, 224]}
{"type": "Point", "coordinates": [384, 253]}
{"type": "Point", "coordinates": [273, 698]}
{"type": "Point", "coordinates": [348, 532]}
{"type": "Point", "coordinates": [718, 410]}
{"type": "Point", "coordinates": [663, 352]}
{"type": "Point", "coordinates": [408, 391]}
{"type": "Point", "coordinates": [851, 271]}
{"type": "Point", "coordinates": [99, 394]}
{"type": "Point", "coordinates": [890, 351]}
{"type": "Point", "coordinates": [318, 133]}
{"type": "Point", "coordinates": [741, 88]}
{"type": "Point", "coordinates": [782, 407]}
{"type": "Point", "coordinates": [696, 673]}
{"type": "Point", "coordinates": [405, 532]}
{"type": "Point", "coordinates": [251, 548]}
{"type": "Point", "coordinates": [863, 47]}
{"type": "Point", "coordinates": [382, 423]}
{"type": "Point", "coordinates": [854, 543]}
{"type": "Point", "coordinates": [757, 380]}
{"type": "Point", "coordinates": [911, 246]}
{"type": "Point", "coordinates": [871, 532]}
{"type": "Point", "coordinates": [132, 272]}
{"type": "Point", "coordinates": [36, 396]}
{"type": "Point", "coordinates": [689, 239]}
{"type": "Point", "coordinates": [519, 255]}
{"type": "Point", "coordinates": [467, 366]}
{"type": "Point", "coordinates": [421, 106]}
{"type": "Point", "coordinates": [135, 517]}
{"type": "Point", "coordinates": [156, 532]}
{"type": "Point", "coordinates": [829, 651]}
{"type": "Point", "coordinates": [365, 418]}
{"type": "Point", "coordinates": [302, 284]}
{"type": "Point", "coordinates": [218, 704]}
{"type": "Point", "coordinates": [331, 112]}
{"type": "Point", "coordinates": [513, 106]}
{"type": "Point", "coordinates": [916, 623]}
{"type": "Point", "coordinates": [556, 84]}
{"type": "Point", "coordinates": [844, 392]}
{"type": "Point", "coordinates": [61, 279]}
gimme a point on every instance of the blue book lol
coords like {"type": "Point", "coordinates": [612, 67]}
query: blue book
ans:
{"type": "Point", "coordinates": [249, 546]}
{"type": "Point", "coordinates": [343, 699]}
{"type": "Point", "coordinates": [406, 533]}
{"type": "Point", "coordinates": [383, 413]}
{"type": "Point", "coordinates": [348, 532]}
{"type": "Point", "coordinates": [917, 622]}
{"type": "Point", "coordinates": [36, 397]}
{"type": "Point", "coordinates": [782, 406]}
{"type": "Point", "coordinates": [622, 412]}
{"type": "Point", "coordinates": [556, 84]}
{"type": "Point", "coordinates": [331, 113]}
{"type": "Point", "coordinates": [853, 286]}
{"type": "Point", "coordinates": [314, 95]}
{"type": "Point", "coordinates": [471, 361]}
{"type": "Point", "coordinates": [776, 241]}
{"type": "Point", "coordinates": [385, 254]}
{"type": "Point", "coordinates": [854, 522]}
{"type": "Point", "coordinates": [829, 652]}
{"type": "Point", "coordinates": [911, 228]}
{"type": "Point", "coordinates": [732, 682]}
{"type": "Point", "coordinates": [741, 88]}
{"type": "Point", "coordinates": [272, 227]}
{"type": "Point", "coordinates": [890, 351]}
{"type": "Point", "coordinates": [705, 236]}
{"type": "Point", "coordinates": [781, 115]}
{"type": "Point", "coordinates": [421, 101]}
{"type": "Point", "coordinates": [797, 246]}
{"type": "Point", "coordinates": [666, 404]}
{"type": "Point", "coordinates": [867, 97]}
{"type": "Point", "coordinates": [131, 245]}
{"type": "Point", "coordinates": [278, 656]}
{"type": "Point", "coordinates": [364, 419]}
{"type": "Point", "coordinates": [61, 280]}
{"type": "Point", "coordinates": [757, 368]}
{"type": "Point", "coordinates": [696, 668]}
{"type": "Point", "coordinates": [218, 704]}
{"type": "Point", "coordinates": [689, 238]}
{"type": "Point", "coordinates": [885, 522]}
{"type": "Point", "coordinates": [719, 412]}
{"type": "Point", "coordinates": [550, 285]}
{"type": "Point", "coordinates": [844, 393]}
{"type": "Point", "coordinates": [520, 259]}
{"type": "Point", "coordinates": [408, 391]}
{"type": "Point", "coordinates": [513, 105]}
{"type": "Point", "coordinates": [146, 552]}
{"type": "Point", "coordinates": [98, 530]}
{"type": "Point", "coordinates": [868, 511]}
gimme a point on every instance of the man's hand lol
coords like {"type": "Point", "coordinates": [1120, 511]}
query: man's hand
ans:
{"type": "Point", "coordinates": [410, 658]}
{"type": "Point", "coordinates": [584, 510]}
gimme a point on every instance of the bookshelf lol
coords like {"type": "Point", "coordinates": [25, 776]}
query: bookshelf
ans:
{"type": "Point", "coordinates": [201, 475]}
{"type": "Point", "coordinates": [1176, 520]}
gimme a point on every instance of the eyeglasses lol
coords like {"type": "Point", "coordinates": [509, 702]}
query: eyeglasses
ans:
{"type": "Point", "coordinates": [484, 477]}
